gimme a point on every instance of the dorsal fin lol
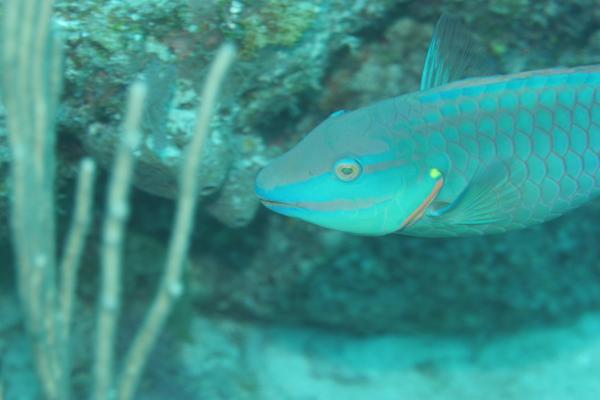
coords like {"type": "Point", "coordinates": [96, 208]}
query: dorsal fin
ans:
{"type": "Point", "coordinates": [453, 54]}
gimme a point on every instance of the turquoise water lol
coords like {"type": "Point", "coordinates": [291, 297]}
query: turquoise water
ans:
{"type": "Point", "coordinates": [269, 307]}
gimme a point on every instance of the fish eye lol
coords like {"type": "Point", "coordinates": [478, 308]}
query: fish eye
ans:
{"type": "Point", "coordinates": [347, 169]}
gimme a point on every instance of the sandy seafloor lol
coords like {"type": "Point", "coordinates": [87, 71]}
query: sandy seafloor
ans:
{"type": "Point", "coordinates": [550, 363]}
{"type": "Point", "coordinates": [283, 363]}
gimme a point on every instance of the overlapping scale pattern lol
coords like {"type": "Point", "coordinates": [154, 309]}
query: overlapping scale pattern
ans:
{"type": "Point", "coordinates": [544, 127]}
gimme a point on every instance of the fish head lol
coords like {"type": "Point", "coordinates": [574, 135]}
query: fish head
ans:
{"type": "Point", "coordinates": [348, 174]}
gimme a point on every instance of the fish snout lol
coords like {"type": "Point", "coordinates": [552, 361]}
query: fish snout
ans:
{"type": "Point", "coordinates": [265, 184]}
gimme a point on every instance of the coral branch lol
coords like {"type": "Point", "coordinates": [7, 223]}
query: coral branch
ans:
{"type": "Point", "coordinates": [112, 243]}
{"type": "Point", "coordinates": [71, 257]}
{"type": "Point", "coordinates": [171, 287]}
{"type": "Point", "coordinates": [31, 72]}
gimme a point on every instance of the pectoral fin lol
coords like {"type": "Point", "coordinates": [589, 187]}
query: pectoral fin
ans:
{"type": "Point", "coordinates": [488, 198]}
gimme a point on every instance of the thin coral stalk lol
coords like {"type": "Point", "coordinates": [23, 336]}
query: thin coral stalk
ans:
{"type": "Point", "coordinates": [112, 243]}
{"type": "Point", "coordinates": [31, 72]}
{"type": "Point", "coordinates": [71, 258]}
{"type": "Point", "coordinates": [171, 286]}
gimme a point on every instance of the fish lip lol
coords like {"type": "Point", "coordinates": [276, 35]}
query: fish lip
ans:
{"type": "Point", "coordinates": [269, 202]}
{"type": "Point", "coordinates": [275, 203]}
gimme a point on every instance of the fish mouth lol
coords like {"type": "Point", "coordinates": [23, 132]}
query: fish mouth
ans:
{"type": "Point", "coordinates": [290, 209]}
{"type": "Point", "coordinates": [277, 204]}
{"type": "Point", "coordinates": [268, 201]}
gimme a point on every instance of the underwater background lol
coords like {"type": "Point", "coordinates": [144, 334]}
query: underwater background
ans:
{"type": "Point", "coordinates": [274, 308]}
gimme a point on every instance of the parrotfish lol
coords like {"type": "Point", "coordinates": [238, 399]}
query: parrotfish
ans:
{"type": "Point", "coordinates": [462, 156]}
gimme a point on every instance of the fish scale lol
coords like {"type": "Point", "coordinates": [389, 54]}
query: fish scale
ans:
{"type": "Point", "coordinates": [544, 124]}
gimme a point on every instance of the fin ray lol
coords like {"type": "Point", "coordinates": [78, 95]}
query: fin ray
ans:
{"type": "Point", "coordinates": [453, 54]}
{"type": "Point", "coordinates": [488, 198]}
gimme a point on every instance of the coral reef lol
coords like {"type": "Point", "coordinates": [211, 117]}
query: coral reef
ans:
{"type": "Point", "coordinates": [285, 83]}
{"type": "Point", "coordinates": [496, 283]}
{"type": "Point", "coordinates": [169, 43]}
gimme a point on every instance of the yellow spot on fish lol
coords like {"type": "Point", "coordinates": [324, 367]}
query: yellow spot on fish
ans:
{"type": "Point", "coordinates": [435, 173]}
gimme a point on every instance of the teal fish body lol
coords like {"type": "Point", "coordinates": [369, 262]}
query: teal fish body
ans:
{"type": "Point", "coordinates": [529, 143]}
{"type": "Point", "coordinates": [474, 156]}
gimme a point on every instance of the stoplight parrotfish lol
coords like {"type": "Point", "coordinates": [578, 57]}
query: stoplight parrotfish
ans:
{"type": "Point", "coordinates": [462, 156]}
